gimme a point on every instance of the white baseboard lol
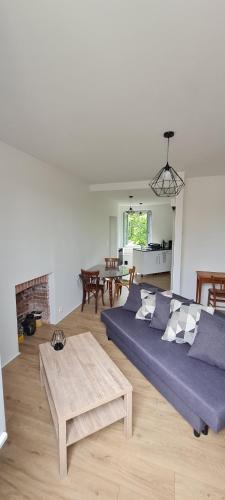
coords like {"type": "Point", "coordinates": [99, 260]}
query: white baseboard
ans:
{"type": "Point", "coordinates": [11, 359]}
{"type": "Point", "coordinates": [3, 438]}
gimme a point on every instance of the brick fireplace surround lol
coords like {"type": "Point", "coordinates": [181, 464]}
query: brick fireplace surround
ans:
{"type": "Point", "coordinates": [34, 295]}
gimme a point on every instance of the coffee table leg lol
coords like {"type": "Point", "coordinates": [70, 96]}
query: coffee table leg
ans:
{"type": "Point", "coordinates": [62, 449]}
{"type": "Point", "coordinates": [128, 418]}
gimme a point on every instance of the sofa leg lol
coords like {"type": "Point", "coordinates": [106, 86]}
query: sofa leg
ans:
{"type": "Point", "coordinates": [205, 431]}
{"type": "Point", "coordinates": [196, 434]}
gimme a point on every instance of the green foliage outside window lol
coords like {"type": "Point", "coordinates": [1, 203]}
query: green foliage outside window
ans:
{"type": "Point", "coordinates": [137, 228]}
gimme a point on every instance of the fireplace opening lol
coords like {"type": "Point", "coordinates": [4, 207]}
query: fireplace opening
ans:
{"type": "Point", "coordinates": [33, 297]}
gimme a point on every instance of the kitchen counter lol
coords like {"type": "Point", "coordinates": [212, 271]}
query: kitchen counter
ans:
{"type": "Point", "coordinates": [150, 250]}
{"type": "Point", "coordinates": [149, 261]}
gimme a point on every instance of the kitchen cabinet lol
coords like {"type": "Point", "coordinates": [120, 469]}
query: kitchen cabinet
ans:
{"type": "Point", "coordinates": [152, 262]}
{"type": "Point", "coordinates": [128, 256]}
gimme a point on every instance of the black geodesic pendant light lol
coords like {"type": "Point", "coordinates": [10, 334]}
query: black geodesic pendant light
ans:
{"type": "Point", "coordinates": [167, 182]}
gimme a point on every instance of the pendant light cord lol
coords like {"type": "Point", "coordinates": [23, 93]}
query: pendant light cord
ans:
{"type": "Point", "coordinates": [168, 148]}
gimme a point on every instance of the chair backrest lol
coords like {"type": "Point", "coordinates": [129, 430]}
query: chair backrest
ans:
{"type": "Point", "coordinates": [89, 278]}
{"type": "Point", "coordinates": [131, 277]}
{"type": "Point", "coordinates": [111, 262]}
{"type": "Point", "coordinates": [219, 283]}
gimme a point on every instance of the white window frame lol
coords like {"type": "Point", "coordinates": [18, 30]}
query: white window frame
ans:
{"type": "Point", "coordinates": [149, 227]}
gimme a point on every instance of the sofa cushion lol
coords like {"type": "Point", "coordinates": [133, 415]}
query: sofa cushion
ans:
{"type": "Point", "coordinates": [164, 307]}
{"type": "Point", "coordinates": [209, 344]}
{"type": "Point", "coordinates": [199, 385]}
{"type": "Point", "coordinates": [183, 324]}
{"type": "Point", "coordinates": [161, 313]}
{"type": "Point", "coordinates": [147, 308]}
{"type": "Point", "coordinates": [134, 302]}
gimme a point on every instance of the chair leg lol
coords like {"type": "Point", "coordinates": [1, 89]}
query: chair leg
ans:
{"type": "Point", "coordinates": [103, 303]}
{"type": "Point", "coordinates": [96, 302]}
{"type": "Point", "coordinates": [116, 293]}
{"type": "Point", "coordinates": [88, 297]}
{"type": "Point", "coordinates": [83, 301]}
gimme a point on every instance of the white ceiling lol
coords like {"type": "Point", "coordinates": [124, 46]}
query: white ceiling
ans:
{"type": "Point", "coordinates": [91, 85]}
{"type": "Point", "coordinates": [145, 196]}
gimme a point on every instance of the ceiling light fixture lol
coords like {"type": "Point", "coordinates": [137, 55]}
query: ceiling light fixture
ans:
{"type": "Point", "coordinates": [130, 211]}
{"type": "Point", "coordinates": [167, 182]}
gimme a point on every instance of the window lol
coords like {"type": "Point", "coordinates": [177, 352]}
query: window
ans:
{"type": "Point", "coordinates": [137, 228]}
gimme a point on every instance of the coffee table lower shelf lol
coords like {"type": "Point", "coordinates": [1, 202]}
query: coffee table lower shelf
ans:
{"type": "Point", "coordinates": [94, 420]}
{"type": "Point", "coordinates": [89, 422]}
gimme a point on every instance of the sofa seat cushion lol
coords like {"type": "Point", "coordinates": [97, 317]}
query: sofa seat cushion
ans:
{"type": "Point", "coordinates": [200, 386]}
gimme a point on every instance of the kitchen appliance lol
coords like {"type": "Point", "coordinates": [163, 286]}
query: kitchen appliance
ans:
{"type": "Point", "coordinates": [167, 245]}
{"type": "Point", "coordinates": [154, 246]}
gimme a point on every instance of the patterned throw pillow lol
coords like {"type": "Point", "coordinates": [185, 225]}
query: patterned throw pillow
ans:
{"type": "Point", "coordinates": [148, 304]}
{"type": "Point", "coordinates": [133, 302]}
{"type": "Point", "coordinates": [183, 324]}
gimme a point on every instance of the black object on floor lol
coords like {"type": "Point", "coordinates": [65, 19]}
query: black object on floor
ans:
{"type": "Point", "coordinates": [29, 325]}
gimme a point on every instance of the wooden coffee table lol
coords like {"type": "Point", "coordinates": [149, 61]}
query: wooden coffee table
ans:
{"type": "Point", "coordinates": [85, 390]}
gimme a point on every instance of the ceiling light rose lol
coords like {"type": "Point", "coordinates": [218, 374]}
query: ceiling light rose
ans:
{"type": "Point", "coordinates": [167, 182]}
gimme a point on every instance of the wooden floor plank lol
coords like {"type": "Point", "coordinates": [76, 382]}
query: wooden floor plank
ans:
{"type": "Point", "coordinates": [195, 490]}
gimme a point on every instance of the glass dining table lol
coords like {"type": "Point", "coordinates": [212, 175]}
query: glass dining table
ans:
{"type": "Point", "coordinates": [110, 273]}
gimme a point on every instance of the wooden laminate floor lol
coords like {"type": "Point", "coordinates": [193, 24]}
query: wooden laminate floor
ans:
{"type": "Point", "coordinates": [162, 461]}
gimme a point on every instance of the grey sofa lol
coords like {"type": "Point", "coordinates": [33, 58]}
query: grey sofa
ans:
{"type": "Point", "coordinates": [194, 388]}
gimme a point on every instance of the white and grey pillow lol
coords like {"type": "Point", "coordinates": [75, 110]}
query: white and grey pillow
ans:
{"type": "Point", "coordinates": [183, 323]}
{"type": "Point", "coordinates": [148, 304]}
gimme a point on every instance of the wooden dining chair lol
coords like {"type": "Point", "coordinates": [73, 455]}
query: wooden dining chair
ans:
{"type": "Point", "coordinates": [216, 294]}
{"type": "Point", "coordinates": [91, 286]}
{"type": "Point", "coordinates": [111, 262]}
{"type": "Point", "coordinates": [127, 283]}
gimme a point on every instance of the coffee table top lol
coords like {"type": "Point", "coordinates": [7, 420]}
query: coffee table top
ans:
{"type": "Point", "coordinates": [81, 376]}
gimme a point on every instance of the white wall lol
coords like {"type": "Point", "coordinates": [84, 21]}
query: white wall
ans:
{"type": "Point", "coordinates": [203, 246]}
{"type": "Point", "coordinates": [49, 222]}
{"type": "Point", "coordinates": [113, 243]}
{"type": "Point", "coordinates": [162, 223]}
